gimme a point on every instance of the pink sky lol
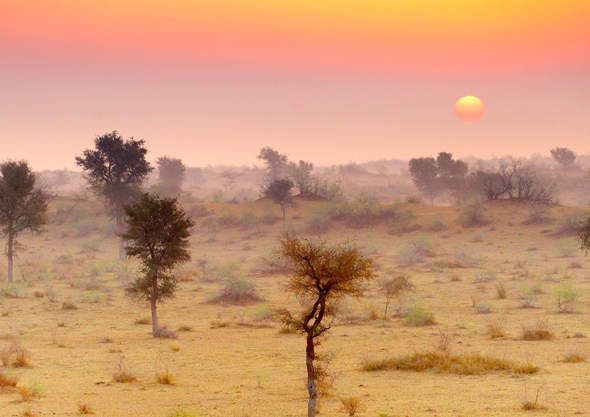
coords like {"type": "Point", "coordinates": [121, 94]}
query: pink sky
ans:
{"type": "Point", "coordinates": [212, 82]}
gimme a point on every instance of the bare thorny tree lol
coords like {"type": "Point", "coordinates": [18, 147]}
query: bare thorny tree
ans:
{"type": "Point", "coordinates": [321, 273]}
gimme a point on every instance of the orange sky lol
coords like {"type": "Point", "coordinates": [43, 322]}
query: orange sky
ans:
{"type": "Point", "coordinates": [213, 81]}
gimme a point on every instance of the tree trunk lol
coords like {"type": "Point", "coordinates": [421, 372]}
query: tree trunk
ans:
{"type": "Point", "coordinates": [311, 387]}
{"type": "Point", "coordinates": [119, 220]}
{"type": "Point", "coordinates": [153, 300]}
{"type": "Point", "coordinates": [283, 208]}
{"type": "Point", "coordinates": [9, 253]}
{"type": "Point", "coordinates": [432, 200]}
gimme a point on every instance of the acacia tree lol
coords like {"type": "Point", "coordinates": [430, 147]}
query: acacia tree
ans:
{"type": "Point", "coordinates": [23, 205]}
{"type": "Point", "coordinates": [585, 236]}
{"type": "Point", "coordinates": [425, 176]}
{"type": "Point", "coordinates": [280, 192]}
{"type": "Point", "coordinates": [563, 156]}
{"type": "Point", "coordinates": [158, 233]}
{"type": "Point", "coordinates": [393, 287]}
{"type": "Point", "coordinates": [321, 274]}
{"type": "Point", "coordinates": [275, 163]}
{"type": "Point", "coordinates": [115, 170]}
{"type": "Point", "coordinates": [171, 175]}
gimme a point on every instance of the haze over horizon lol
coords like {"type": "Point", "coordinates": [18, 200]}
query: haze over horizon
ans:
{"type": "Point", "coordinates": [330, 82]}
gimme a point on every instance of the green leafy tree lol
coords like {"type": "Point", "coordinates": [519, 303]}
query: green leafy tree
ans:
{"type": "Point", "coordinates": [563, 156]}
{"type": "Point", "coordinates": [320, 275]}
{"type": "Point", "coordinates": [585, 236]}
{"type": "Point", "coordinates": [115, 170]}
{"type": "Point", "coordinates": [158, 235]}
{"type": "Point", "coordinates": [23, 205]}
{"type": "Point", "coordinates": [280, 192]}
{"type": "Point", "coordinates": [171, 173]}
{"type": "Point", "coordinates": [276, 164]}
{"type": "Point", "coordinates": [424, 172]}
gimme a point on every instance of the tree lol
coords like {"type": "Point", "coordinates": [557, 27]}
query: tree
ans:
{"type": "Point", "coordinates": [563, 156]}
{"type": "Point", "coordinates": [585, 236]}
{"type": "Point", "coordinates": [280, 192]}
{"type": "Point", "coordinates": [424, 173]}
{"type": "Point", "coordinates": [230, 178]}
{"type": "Point", "coordinates": [393, 287]}
{"type": "Point", "coordinates": [275, 163]}
{"type": "Point", "coordinates": [302, 177]}
{"type": "Point", "coordinates": [171, 175]}
{"type": "Point", "coordinates": [23, 205]}
{"type": "Point", "coordinates": [433, 176]}
{"type": "Point", "coordinates": [158, 233]}
{"type": "Point", "coordinates": [115, 170]}
{"type": "Point", "coordinates": [321, 274]}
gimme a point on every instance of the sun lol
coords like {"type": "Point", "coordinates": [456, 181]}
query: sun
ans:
{"type": "Point", "coordinates": [469, 108]}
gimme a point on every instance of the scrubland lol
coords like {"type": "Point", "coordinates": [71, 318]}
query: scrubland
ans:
{"type": "Point", "coordinates": [497, 323]}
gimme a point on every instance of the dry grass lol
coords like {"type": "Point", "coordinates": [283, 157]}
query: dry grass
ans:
{"type": "Point", "coordinates": [15, 355]}
{"type": "Point", "coordinates": [84, 408]}
{"type": "Point", "coordinates": [8, 380]}
{"type": "Point", "coordinates": [465, 364]}
{"type": "Point", "coordinates": [352, 405]}
{"type": "Point", "coordinates": [573, 357]}
{"type": "Point", "coordinates": [29, 391]}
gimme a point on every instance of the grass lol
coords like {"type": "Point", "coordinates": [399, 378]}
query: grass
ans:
{"type": "Point", "coordinates": [84, 408]}
{"type": "Point", "coordinates": [465, 364]}
{"type": "Point", "coordinates": [30, 391]}
{"type": "Point", "coordinates": [8, 379]}
{"type": "Point", "coordinates": [573, 357]}
{"type": "Point", "coordinates": [351, 405]}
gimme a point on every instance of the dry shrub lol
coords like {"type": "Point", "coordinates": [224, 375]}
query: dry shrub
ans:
{"type": "Point", "coordinates": [540, 331]}
{"type": "Point", "coordinates": [84, 408]}
{"type": "Point", "coordinates": [142, 321]}
{"type": "Point", "coordinates": [123, 375]}
{"type": "Point", "coordinates": [67, 305]}
{"type": "Point", "coordinates": [163, 332]}
{"type": "Point", "coordinates": [8, 380]}
{"type": "Point", "coordinates": [495, 329]}
{"type": "Point", "coordinates": [15, 355]}
{"type": "Point", "coordinates": [29, 391]}
{"type": "Point", "coordinates": [237, 292]}
{"type": "Point", "coordinates": [185, 328]}
{"type": "Point", "coordinates": [474, 216]}
{"type": "Point", "coordinates": [571, 224]}
{"type": "Point", "coordinates": [351, 405]}
{"type": "Point", "coordinates": [529, 405]}
{"type": "Point", "coordinates": [573, 357]}
{"type": "Point", "coordinates": [465, 364]}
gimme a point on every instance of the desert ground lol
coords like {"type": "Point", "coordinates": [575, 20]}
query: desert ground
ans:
{"type": "Point", "coordinates": [69, 312]}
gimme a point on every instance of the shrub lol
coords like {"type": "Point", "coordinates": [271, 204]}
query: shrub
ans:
{"type": "Point", "coordinates": [123, 375]}
{"type": "Point", "coordinates": [572, 224]}
{"type": "Point", "coordinates": [573, 357]}
{"type": "Point", "coordinates": [15, 355]}
{"type": "Point", "coordinates": [30, 391]}
{"type": "Point", "coordinates": [500, 291]}
{"type": "Point", "coordinates": [8, 379]}
{"type": "Point", "coordinates": [318, 224]}
{"type": "Point", "coordinates": [540, 331]}
{"type": "Point", "coordinates": [473, 216]}
{"type": "Point", "coordinates": [567, 296]}
{"type": "Point", "coordinates": [539, 213]}
{"type": "Point", "coordinates": [465, 364]}
{"type": "Point", "coordinates": [237, 292]}
{"type": "Point", "coordinates": [351, 405]}
{"type": "Point", "coordinates": [84, 408]}
{"type": "Point", "coordinates": [163, 332]}
{"type": "Point", "coordinates": [67, 305]}
{"type": "Point", "coordinates": [495, 329]}
{"type": "Point", "coordinates": [416, 252]}
{"type": "Point", "coordinates": [419, 317]}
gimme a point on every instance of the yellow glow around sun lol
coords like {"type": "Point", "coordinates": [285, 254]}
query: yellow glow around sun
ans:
{"type": "Point", "coordinates": [469, 108]}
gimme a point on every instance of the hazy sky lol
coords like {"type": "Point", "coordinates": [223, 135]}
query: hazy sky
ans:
{"type": "Point", "coordinates": [326, 81]}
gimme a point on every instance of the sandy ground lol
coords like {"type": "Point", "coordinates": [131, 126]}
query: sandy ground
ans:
{"type": "Point", "coordinates": [238, 370]}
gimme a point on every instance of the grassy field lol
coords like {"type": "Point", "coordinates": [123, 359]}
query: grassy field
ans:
{"type": "Point", "coordinates": [76, 332]}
